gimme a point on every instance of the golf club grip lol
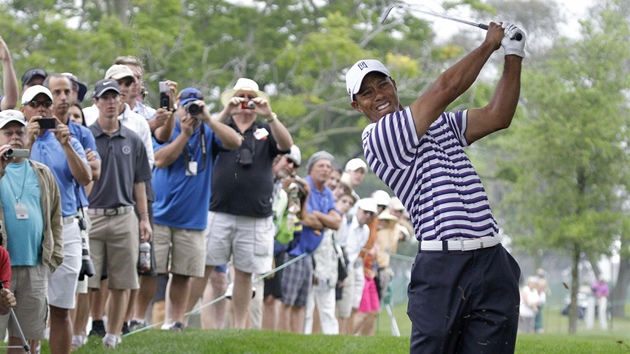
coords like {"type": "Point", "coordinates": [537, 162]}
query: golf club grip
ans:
{"type": "Point", "coordinates": [518, 36]}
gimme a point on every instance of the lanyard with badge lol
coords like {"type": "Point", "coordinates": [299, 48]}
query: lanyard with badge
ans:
{"type": "Point", "coordinates": [20, 209]}
{"type": "Point", "coordinates": [191, 165]}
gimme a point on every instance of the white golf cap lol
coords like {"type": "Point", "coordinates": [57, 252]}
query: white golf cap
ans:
{"type": "Point", "coordinates": [11, 115]}
{"type": "Point", "coordinates": [33, 91]}
{"type": "Point", "coordinates": [118, 71]}
{"type": "Point", "coordinates": [354, 76]}
{"type": "Point", "coordinates": [381, 197]}
{"type": "Point", "coordinates": [396, 205]}
{"type": "Point", "coordinates": [368, 204]}
{"type": "Point", "coordinates": [295, 155]}
{"type": "Point", "coordinates": [356, 164]}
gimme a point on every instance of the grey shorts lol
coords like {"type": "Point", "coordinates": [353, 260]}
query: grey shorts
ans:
{"type": "Point", "coordinates": [249, 240]}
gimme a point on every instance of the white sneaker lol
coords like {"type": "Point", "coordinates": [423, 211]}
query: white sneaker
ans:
{"type": "Point", "coordinates": [78, 341]}
{"type": "Point", "coordinates": [110, 341]}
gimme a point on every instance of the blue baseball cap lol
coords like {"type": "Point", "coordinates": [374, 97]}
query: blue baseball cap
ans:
{"type": "Point", "coordinates": [189, 94]}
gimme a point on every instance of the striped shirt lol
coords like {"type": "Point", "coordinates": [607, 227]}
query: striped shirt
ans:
{"type": "Point", "coordinates": [431, 175]}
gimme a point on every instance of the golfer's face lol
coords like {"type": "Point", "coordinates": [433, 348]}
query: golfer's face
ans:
{"type": "Point", "coordinates": [377, 96]}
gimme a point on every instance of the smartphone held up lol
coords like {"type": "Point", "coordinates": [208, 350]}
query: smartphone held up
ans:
{"type": "Point", "coordinates": [47, 123]}
{"type": "Point", "coordinates": [165, 100]}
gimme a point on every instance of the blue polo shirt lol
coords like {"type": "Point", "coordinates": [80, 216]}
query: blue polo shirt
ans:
{"type": "Point", "coordinates": [85, 137]}
{"type": "Point", "coordinates": [182, 201]}
{"type": "Point", "coordinates": [322, 201]}
{"type": "Point", "coordinates": [48, 151]}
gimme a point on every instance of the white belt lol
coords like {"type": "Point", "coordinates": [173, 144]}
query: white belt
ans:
{"type": "Point", "coordinates": [67, 220]}
{"type": "Point", "coordinates": [459, 245]}
{"type": "Point", "coordinates": [110, 211]}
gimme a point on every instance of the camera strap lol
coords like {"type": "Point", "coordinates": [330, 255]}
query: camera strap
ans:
{"type": "Point", "coordinates": [190, 150]}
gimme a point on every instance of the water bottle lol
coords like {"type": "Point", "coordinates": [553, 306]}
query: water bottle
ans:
{"type": "Point", "coordinates": [144, 262]}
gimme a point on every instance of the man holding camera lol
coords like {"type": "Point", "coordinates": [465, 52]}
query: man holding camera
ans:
{"type": "Point", "coordinates": [240, 221]}
{"type": "Point", "coordinates": [182, 182]}
{"type": "Point", "coordinates": [63, 91]}
{"type": "Point", "coordinates": [32, 229]}
{"type": "Point", "coordinates": [56, 148]}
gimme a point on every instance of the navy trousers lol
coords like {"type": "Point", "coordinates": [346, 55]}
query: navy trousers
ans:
{"type": "Point", "coordinates": [464, 301]}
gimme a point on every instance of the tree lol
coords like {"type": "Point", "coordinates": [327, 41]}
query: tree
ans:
{"type": "Point", "coordinates": [570, 163]}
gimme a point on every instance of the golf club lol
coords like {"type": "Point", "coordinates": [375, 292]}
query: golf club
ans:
{"type": "Point", "coordinates": [17, 324]}
{"type": "Point", "coordinates": [389, 9]}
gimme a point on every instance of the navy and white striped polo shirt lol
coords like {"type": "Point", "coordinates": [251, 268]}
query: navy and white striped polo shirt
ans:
{"type": "Point", "coordinates": [431, 175]}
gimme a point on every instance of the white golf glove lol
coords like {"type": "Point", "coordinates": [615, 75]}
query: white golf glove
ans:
{"type": "Point", "coordinates": [513, 40]}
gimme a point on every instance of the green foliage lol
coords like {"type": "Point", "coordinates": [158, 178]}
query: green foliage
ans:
{"type": "Point", "coordinates": [296, 49]}
{"type": "Point", "coordinates": [569, 149]}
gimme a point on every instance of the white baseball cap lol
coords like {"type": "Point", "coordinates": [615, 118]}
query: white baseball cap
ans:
{"type": "Point", "coordinates": [381, 197]}
{"type": "Point", "coordinates": [396, 205]}
{"type": "Point", "coordinates": [356, 164]}
{"type": "Point", "coordinates": [33, 91]}
{"type": "Point", "coordinates": [118, 72]}
{"type": "Point", "coordinates": [11, 115]}
{"type": "Point", "coordinates": [295, 155]}
{"type": "Point", "coordinates": [368, 204]}
{"type": "Point", "coordinates": [354, 76]}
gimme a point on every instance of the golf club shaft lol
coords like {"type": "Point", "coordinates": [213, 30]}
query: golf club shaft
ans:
{"type": "Point", "coordinates": [17, 324]}
{"type": "Point", "coordinates": [401, 6]}
{"type": "Point", "coordinates": [389, 9]}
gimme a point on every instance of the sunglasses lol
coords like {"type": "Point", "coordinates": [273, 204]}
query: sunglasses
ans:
{"type": "Point", "coordinates": [292, 161]}
{"type": "Point", "coordinates": [35, 104]}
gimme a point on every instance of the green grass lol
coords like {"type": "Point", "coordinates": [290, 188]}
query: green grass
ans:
{"type": "Point", "coordinates": [555, 340]}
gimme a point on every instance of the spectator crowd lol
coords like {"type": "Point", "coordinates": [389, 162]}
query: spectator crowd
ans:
{"type": "Point", "coordinates": [117, 207]}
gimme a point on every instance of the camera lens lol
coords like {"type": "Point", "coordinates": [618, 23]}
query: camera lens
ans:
{"type": "Point", "coordinates": [251, 105]}
{"type": "Point", "coordinates": [8, 154]}
{"type": "Point", "coordinates": [193, 108]}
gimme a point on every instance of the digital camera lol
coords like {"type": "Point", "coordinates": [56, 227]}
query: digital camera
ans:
{"type": "Point", "coordinates": [192, 108]}
{"type": "Point", "coordinates": [248, 105]}
{"type": "Point", "coordinates": [16, 153]}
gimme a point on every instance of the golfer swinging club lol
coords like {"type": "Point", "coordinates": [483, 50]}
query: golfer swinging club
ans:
{"type": "Point", "coordinates": [463, 294]}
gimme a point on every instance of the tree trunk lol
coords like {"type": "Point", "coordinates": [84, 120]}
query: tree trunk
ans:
{"type": "Point", "coordinates": [575, 285]}
{"type": "Point", "coordinates": [620, 291]}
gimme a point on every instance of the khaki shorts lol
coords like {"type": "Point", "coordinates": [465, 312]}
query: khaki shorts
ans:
{"type": "Point", "coordinates": [118, 237]}
{"type": "Point", "coordinates": [186, 248]}
{"type": "Point", "coordinates": [30, 286]}
{"type": "Point", "coordinates": [249, 240]}
{"type": "Point", "coordinates": [344, 306]}
{"type": "Point", "coordinates": [62, 285]}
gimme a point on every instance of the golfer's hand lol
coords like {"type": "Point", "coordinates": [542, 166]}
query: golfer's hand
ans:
{"type": "Point", "coordinates": [513, 40]}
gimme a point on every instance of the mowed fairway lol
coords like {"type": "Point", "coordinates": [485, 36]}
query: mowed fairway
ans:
{"type": "Point", "coordinates": [555, 340]}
